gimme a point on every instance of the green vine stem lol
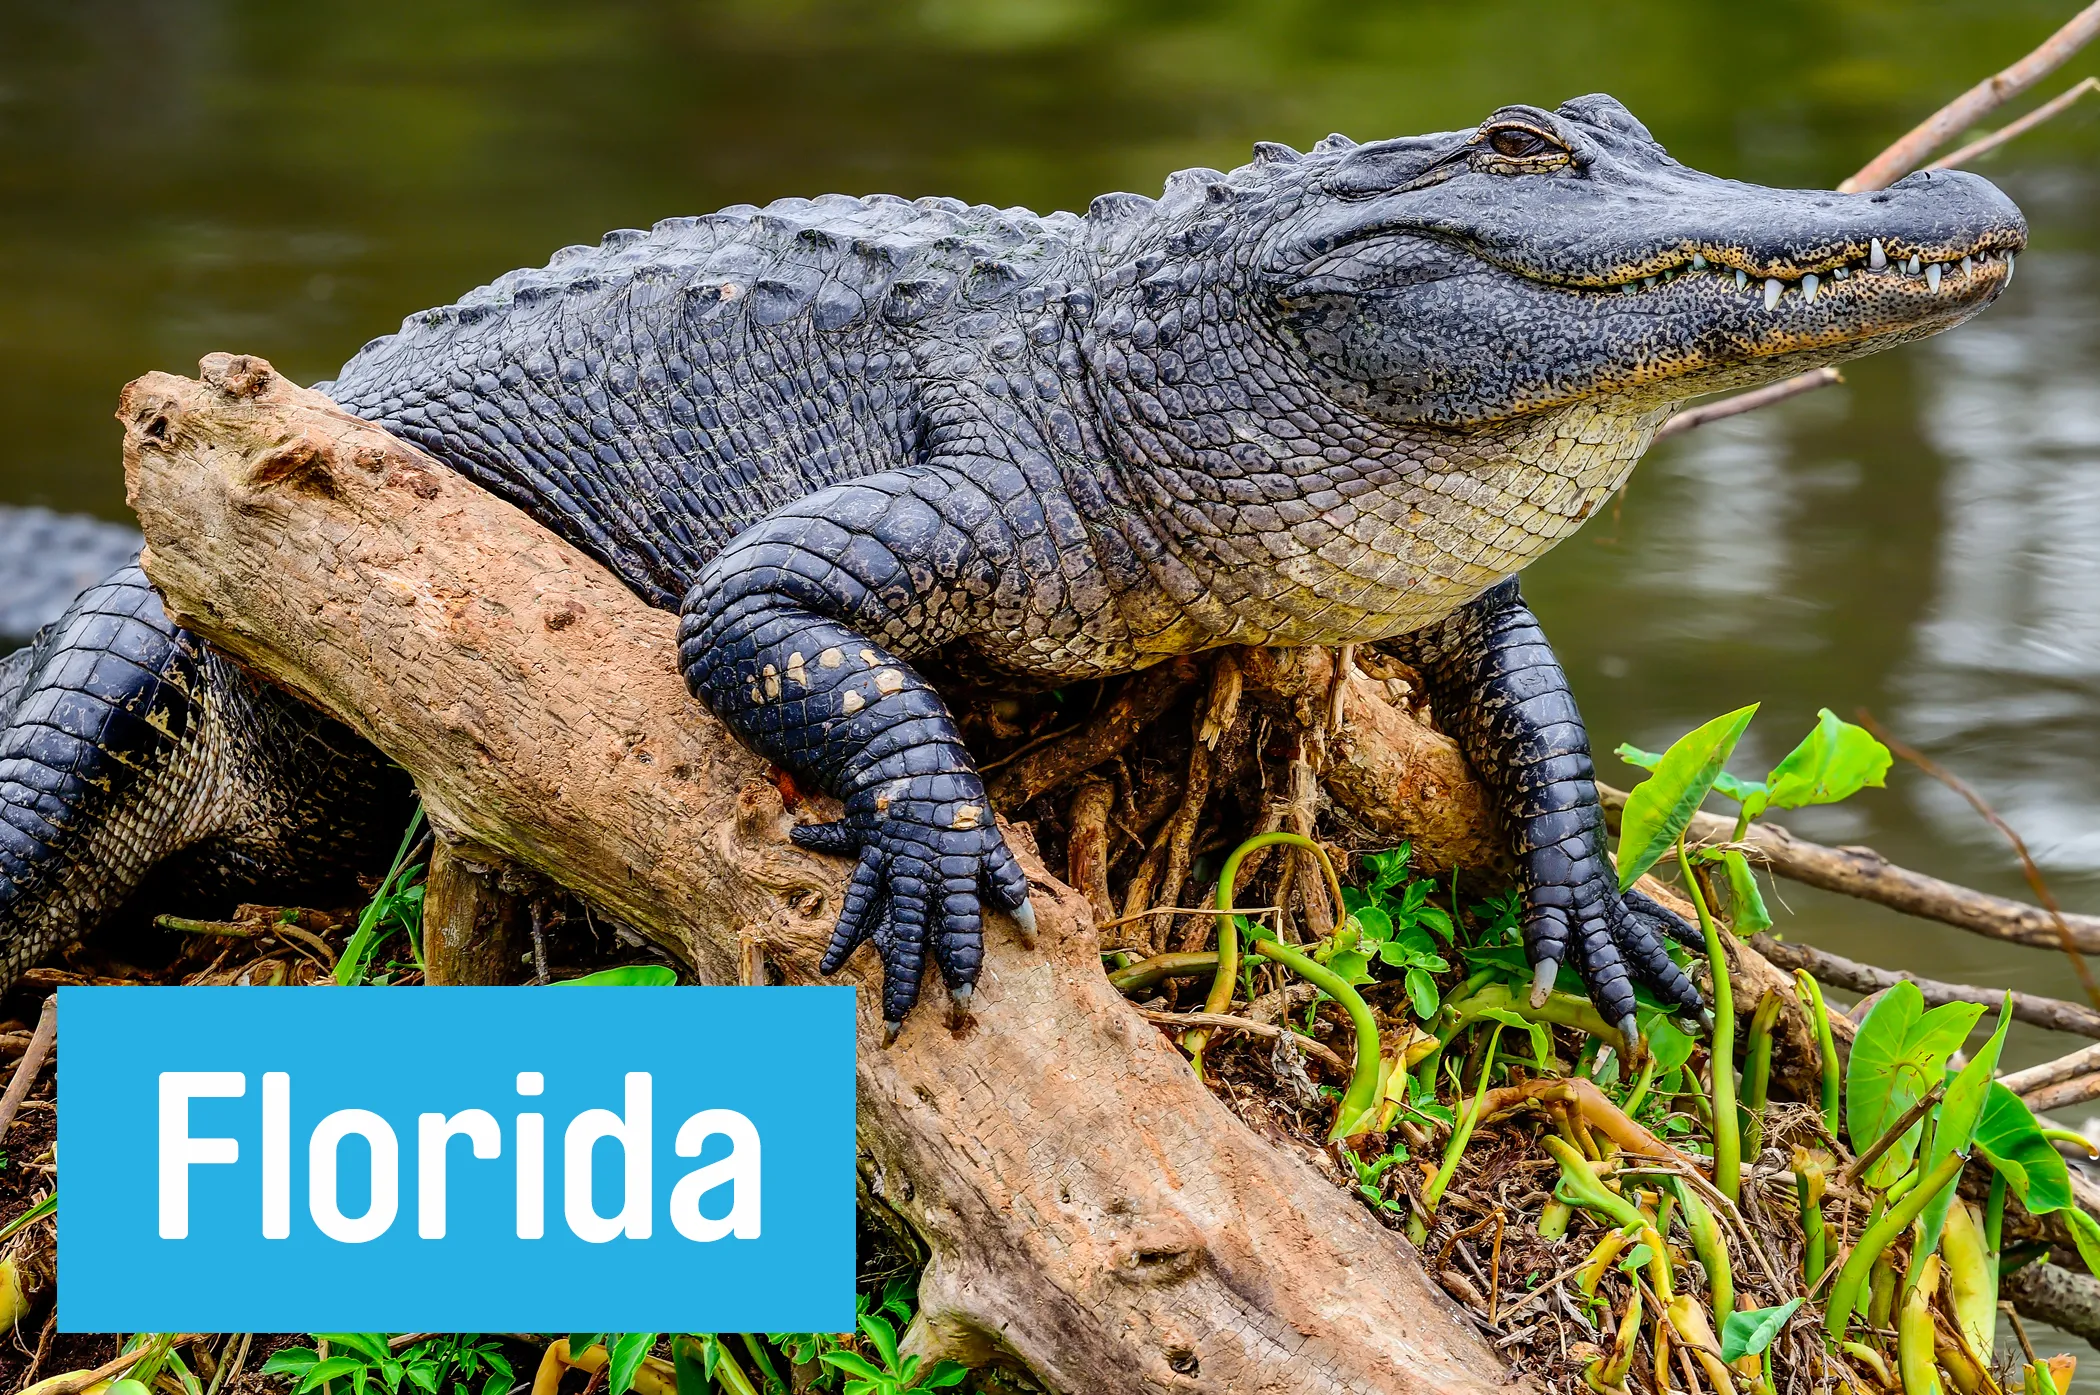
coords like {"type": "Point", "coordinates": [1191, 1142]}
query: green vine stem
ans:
{"type": "Point", "coordinates": [1757, 1072]}
{"type": "Point", "coordinates": [1219, 998]}
{"type": "Point", "coordinates": [1728, 1142]}
{"type": "Point", "coordinates": [1711, 1247]}
{"type": "Point", "coordinates": [1844, 1291]}
{"type": "Point", "coordinates": [1826, 1048]}
{"type": "Point", "coordinates": [1462, 1134]}
{"type": "Point", "coordinates": [1151, 973]}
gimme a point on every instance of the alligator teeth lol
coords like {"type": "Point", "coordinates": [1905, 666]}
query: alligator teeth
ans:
{"type": "Point", "coordinates": [2008, 268]}
{"type": "Point", "coordinates": [1968, 264]}
{"type": "Point", "coordinates": [1932, 276]}
{"type": "Point", "coordinates": [1808, 287]}
{"type": "Point", "coordinates": [1648, 282]}
{"type": "Point", "coordinates": [1629, 289]}
{"type": "Point", "coordinates": [1911, 266]}
{"type": "Point", "coordinates": [1698, 262]}
{"type": "Point", "coordinates": [1742, 279]}
{"type": "Point", "coordinates": [1840, 274]}
{"type": "Point", "coordinates": [1773, 290]}
{"type": "Point", "coordinates": [1876, 258]}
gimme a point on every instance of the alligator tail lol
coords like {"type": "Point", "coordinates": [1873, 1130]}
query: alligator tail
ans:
{"type": "Point", "coordinates": [129, 749]}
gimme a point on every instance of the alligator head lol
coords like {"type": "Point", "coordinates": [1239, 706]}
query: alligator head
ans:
{"type": "Point", "coordinates": [1349, 389]}
{"type": "Point", "coordinates": [1550, 257]}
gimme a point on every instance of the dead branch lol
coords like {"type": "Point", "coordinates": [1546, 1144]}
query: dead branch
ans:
{"type": "Point", "coordinates": [1850, 974]}
{"type": "Point", "coordinates": [2079, 1062]}
{"type": "Point", "coordinates": [1092, 1213]}
{"type": "Point", "coordinates": [1866, 874]}
{"type": "Point", "coordinates": [2064, 1094]}
{"type": "Point", "coordinates": [1973, 105]}
{"type": "Point", "coordinates": [2012, 130]}
{"type": "Point", "coordinates": [1750, 401]}
{"type": "Point", "coordinates": [1142, 698]}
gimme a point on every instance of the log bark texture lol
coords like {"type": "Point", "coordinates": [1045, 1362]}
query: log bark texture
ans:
{"type": "Point", "coordinates": [1091, 1212]}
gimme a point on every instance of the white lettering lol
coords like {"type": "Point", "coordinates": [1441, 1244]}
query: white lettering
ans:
{"type": "Point", "coordinates": [634, 1136]}
{"type": "Point", "coordinates": [321, 1197]}
{"type": "Point", "coordinates": [276, 1155]}
{"type": "Point", "coordinates": [178, 1150]}
{"type": "Point", "coordinates": [433, 1132]}
{"type": "Point", "coordinates": [739, 1172]}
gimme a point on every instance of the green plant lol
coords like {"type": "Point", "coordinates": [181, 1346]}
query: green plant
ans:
{"type": "Point", "coordinates": [1833, 762]}
{"type": "Point", "coordinates": [1370, 1177]}
{"type": "Point", "coordinates": [396, 905]}
{"type": "Point", "coordinates": [897, 1372]}
{"type": "Point", "coordinates": [453, 1363]}
{"type": "Point", "coordinates": [625, 976]}
{"type": "Point", "coordinates": [1899, 1055]}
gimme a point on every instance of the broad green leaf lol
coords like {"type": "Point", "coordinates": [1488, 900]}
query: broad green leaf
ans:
{"type": "Point", "coordinates": [1747, 913]}
{"type": "Point", "coordinates": [1661, 806]}
{"type": "Point", "coordinates": [1954, 1124]}
{"type": "Point", "coordinates": [126, 1386]}
{"type": "Point", "coordinates": [370, 1345]}
{"type": "Point", "coordinates": [626, 976]}
{"type": "Point", "coordinates": [1670, 1047]}
{"type": "Point", "coordinates": [1749, 1333]}
{"type": "Point", "coordinates": [853, 1364]}
{"type": "Point", "coordinates": [1352, 964]}
{"type": "Point", "coordinates": [1421, 993]}
{"type": "Point", "coordinates": [2010, 1139]}
{"type": "Point", "coordinates": [692, 1366]}
{"type": "Point", "coordinates": [1372, 924]}
{"type": "Point", "coordinates": [1835, 761]}
{"type": "Point", "coordinates": [945, 1374]}
{"type": "Point", "coordinates": [291, 1361]}
{"type": "Point", "coordinates": [1899, 1054]}
{"type": "Point", "coordinates": [328, 1370]}
{"type": "Point", "coordinates": [1725, 784]}
{"type": "Point", "coordinates": [2085, 1233]}
{"type": "Point", "coordinates": [882, 1337]}
{"type": "Point", "coordinates": [626, 1355]}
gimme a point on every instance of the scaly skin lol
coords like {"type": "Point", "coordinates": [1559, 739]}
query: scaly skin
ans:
{"type": "Point", "coordinates": [1330, 397]}
{"type": "Point", "coordinates": [129, 749]}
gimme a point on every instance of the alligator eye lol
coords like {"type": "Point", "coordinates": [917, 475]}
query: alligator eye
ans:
{"type": "Point", "coordinates": [1516, 148]}
{"type": "Point", "coordinates": [1517, 143]}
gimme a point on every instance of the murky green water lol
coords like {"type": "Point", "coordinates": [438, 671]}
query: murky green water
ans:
{"type": "Point", "coordinates": [178, 176]}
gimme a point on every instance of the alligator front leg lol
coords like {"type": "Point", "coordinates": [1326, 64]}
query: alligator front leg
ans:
{"type": "Point", "coordinates": [1495, 685]}
{"type": "Point", "coordinates": [794, 636]}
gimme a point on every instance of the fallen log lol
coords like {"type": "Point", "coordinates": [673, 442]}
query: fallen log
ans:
{"type": "Point", "coordinates": [1090, 1212]}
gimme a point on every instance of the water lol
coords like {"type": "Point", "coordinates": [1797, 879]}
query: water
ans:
{"type": "Point", "coordinates": [180, 176]}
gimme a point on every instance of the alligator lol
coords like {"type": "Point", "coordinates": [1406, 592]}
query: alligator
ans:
{"type": "Point", "coordinates": [1342, 396]}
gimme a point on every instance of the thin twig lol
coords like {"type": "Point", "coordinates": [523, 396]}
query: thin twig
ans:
{"type": "Point", "coordinates": [1226, 1022]}
{"type": "Point", "coordinates": [1971, 106]}
{"type": "Point", "coordinates": [2027, 866]}
{"type": "Point", "coordinates": [1857, 1168]}
{"type": "Point", "coordinates": [2064, 1094]}
{"type": "Point", "coordinates": [2013, 129]}
{"type": "Point", "coordinates": [31, 1064]}
{"type": "Point", "coordinates": [1750, 401]}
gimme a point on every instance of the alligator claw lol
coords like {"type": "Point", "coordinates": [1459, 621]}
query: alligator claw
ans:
{"type": "Point", "coordinates": [929, 861]}
{"type": "Point", "coordinates": [1542, 981]}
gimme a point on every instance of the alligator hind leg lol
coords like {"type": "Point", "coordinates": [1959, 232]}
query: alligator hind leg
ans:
{"type": "Point", "coordinates": [127, 746]}
{"type": "Point", "coordinates": [1496, 686]}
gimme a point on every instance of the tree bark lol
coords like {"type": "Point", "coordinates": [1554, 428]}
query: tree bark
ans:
{"type": "Point", "coordinates": [474, 928]}
{"type": "Point", "coordinates": [1091, 1212]}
